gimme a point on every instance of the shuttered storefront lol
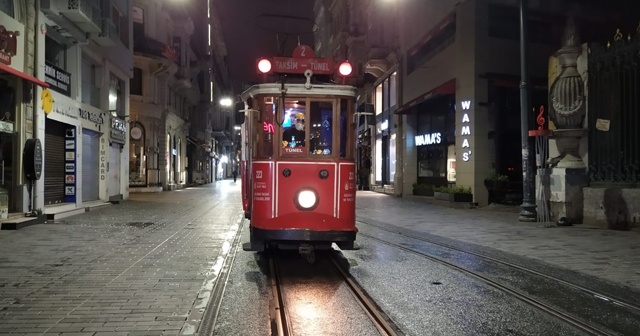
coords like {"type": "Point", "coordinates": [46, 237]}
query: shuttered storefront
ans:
{"type": "Point", "coordinates": [90, 165]}
{"type": "Point", "coordinates": [54, 162]}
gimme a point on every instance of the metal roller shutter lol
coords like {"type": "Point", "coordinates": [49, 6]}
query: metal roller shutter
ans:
{"type": "Point", "coordinates": [90, 165]}
{"type": "Point", "coordinates": [53, 162]}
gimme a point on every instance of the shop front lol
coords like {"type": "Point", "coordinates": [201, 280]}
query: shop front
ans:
{"type": "Point", "coordinates": [385, 106]}
{"type": "Point", "coordinates": [60, 151]}
{"type": "Point", "coordinates": [435, 141]}
{"type": "Point", "coordinates": [93, 159]}
{"type": "Point", "coordinates": [16, 88]}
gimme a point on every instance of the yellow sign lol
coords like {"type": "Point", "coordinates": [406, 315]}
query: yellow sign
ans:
{"type": "Point", "coordinates": [47, 101]}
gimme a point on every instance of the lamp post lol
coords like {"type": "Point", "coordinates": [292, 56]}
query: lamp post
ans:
{"type": "Point", "coordinates": [528, 207]}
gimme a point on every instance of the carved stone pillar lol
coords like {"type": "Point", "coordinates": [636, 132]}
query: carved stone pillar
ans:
{"type": "Point", "coordinates": [567, 102]}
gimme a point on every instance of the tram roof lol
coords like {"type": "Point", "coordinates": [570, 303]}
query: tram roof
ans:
{"type": "Point", "coordinates": [299, 90]}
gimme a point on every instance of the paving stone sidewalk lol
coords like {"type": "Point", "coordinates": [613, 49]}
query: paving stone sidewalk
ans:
{"type": "Point", "coordinates": [613, 256]}
{"type": "Point", "coordinates": [139, 268]}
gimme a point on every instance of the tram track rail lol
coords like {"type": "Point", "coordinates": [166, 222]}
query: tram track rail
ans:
{"type": "Point", "coordinates": [281, 325]}
{"type": "Point", "coordinates": [210, 316]}
{"type": "Point", "coordinates": [568, 318]}
{"type": "Point", "coordinates": [603, 296]}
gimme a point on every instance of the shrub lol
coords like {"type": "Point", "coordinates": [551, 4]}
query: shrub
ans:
{"type": "Point", "coordinates": [498, 178]}
{"type": "Point", "coordinates": [454, 190]}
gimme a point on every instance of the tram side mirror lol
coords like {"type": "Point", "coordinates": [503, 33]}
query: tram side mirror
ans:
{"type": "Point", "coordinates": [239, 113]}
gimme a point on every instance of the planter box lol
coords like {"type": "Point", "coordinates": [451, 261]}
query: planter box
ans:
{"type": "Point", "coordinates": [453, 197]}
{"type": "Point", "coordinates": [423, 192]}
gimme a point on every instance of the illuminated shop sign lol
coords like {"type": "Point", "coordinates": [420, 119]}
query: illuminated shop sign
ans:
{"type": "Point", "coordinates": [95, 117]}
{"type": "Point", "coordinates": [383, 126]}
{"type": "Point", "coordinates": [8, 44]}
{"type": "Point", "coordinates": [58, 79]}
{"type": "Point", "coordinates": [465, 132]}
{"type": "Point", "coordinates": [428, 139]}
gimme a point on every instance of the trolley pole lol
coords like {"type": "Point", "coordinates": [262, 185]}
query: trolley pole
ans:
{"type": "Point", "coordinates": [528, 211]}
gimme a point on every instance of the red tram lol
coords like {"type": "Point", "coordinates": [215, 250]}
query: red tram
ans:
{"type": "Point", "coordinates": [297, 168]}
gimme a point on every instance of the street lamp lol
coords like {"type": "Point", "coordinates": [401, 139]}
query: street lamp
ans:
{"type": "Point", "coordinates": [528, 207]}
{"type": "Point", "coordinates": [226, 102]}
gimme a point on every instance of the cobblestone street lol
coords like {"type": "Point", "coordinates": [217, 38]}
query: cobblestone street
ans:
{"type": "Point", "coordinates": [139, 268]}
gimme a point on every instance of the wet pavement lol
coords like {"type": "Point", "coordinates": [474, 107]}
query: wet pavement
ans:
{"type": "Point", "coordinates": [611, 256]}
{"type": "Point", "coordinates": [146, 267]}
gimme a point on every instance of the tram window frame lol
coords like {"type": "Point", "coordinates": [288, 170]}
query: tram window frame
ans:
{"type": "Point", "coordinates": [306, 154]}
{"type": "Point", "coordinates": [348, 128]}
{"type": "Point", "coordinates": [321, 123]}
{"type": "Point", "coordinates": [342, 108]}
{"type": "Point", "coordinates": [289, 118]}
{"type": "Point", "coordinates": [265, 139]}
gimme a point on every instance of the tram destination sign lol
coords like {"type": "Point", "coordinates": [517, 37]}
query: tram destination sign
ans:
{"type": "Point", "coordinates": [319, 66]}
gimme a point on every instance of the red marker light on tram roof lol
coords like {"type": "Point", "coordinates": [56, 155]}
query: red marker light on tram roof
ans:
{"type": "Point", "coordinates": [345, 69]}
{"type": "Point", "coordinates": [264, 65]}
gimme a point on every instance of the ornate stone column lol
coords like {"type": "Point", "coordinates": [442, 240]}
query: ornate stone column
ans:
{"type": "Point", "coordinates": [567, 102]}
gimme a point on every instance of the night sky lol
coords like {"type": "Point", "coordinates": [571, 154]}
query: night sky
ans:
{"type": "Point", "coordinates": [249, 33]}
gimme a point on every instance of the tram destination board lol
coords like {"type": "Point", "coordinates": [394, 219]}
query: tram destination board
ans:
{"type": "Point", "coordinates": [319, 66]}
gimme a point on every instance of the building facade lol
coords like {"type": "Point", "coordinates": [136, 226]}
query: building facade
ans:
{"type": "Point", "coordinates": [442, 80]}
{"type": "Point", "coordinates": [76, 108]}
{"type": "Point", "coordinates": [224, 141]}
{"type": "Point", "coordinates": [87, 62]}
{"type": "Point", "coordinates": [21, 81]}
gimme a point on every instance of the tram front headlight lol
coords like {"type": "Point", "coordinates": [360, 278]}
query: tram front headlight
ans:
{"type": "Point", "coordinates": [307, 199]}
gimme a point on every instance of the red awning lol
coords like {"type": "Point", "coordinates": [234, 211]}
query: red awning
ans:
{"type": "Point", "coordinates": [22, 75]}
{"type": "Point", "coordinates": [446, 88]}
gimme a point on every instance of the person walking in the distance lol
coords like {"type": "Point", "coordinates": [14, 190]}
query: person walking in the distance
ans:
{"type": "Point", "coordinates": [235, 173]}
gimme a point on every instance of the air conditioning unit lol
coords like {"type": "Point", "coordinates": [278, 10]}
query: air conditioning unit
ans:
{"type": "Point", "coordinates": [84, 13]}
{"type": "Point", "coordinates": [108, 35]}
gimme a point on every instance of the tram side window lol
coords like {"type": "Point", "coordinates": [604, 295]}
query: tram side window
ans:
{"type": "Point", "coordinates": [294, 127]}
{"type": "Point", "coordinates": [321, 123]}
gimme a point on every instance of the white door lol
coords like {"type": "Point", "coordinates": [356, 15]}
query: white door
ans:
{"type": "Point", "coordinates": [113, 175]}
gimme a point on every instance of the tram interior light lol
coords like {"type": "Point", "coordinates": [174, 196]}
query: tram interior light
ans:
{"type": "Point", "coordinates": [345, 69]}
{"type": "Point", "coordinates": [264, 65]}
{"type": "Point", "coordinates": [307, 199]}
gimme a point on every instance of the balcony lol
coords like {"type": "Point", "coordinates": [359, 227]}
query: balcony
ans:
{"type": "Point", "coordinates": [149, 47]}
{"type": "Point", "coordinates": [85, 14]}
{"type": "Point", "coordinates": [378, 52]}
{"type": "Point", "coordinates": [108, 35]}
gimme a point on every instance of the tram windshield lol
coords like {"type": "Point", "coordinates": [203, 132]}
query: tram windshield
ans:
{"type": "Point", "coordinates": [304, 127]}
{"type": "Point", "coordinates": [308, 130]}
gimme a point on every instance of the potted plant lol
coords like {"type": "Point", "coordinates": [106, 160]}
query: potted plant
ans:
{"type": "Point", "coordinates": [422, 189]}
{"type": "Point", "coordinates": [497, 185]}
{"type": "Point", "coordinates": [454, 194]}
